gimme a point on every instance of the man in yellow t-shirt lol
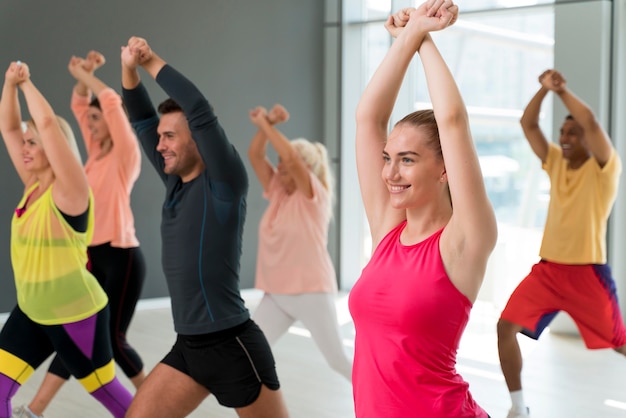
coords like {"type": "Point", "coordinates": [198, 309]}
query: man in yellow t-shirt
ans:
{"type": "Point", "coordinates": [573, 275]}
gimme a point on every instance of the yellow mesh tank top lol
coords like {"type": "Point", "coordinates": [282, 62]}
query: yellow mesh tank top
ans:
{"type": "Point", "coordinates": [49, 261]}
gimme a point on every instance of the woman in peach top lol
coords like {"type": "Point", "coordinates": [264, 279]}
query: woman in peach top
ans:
{"type": "Point", "coordinates": [294, 268]}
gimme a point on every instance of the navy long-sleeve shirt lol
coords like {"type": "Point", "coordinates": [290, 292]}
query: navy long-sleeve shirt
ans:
{"type": "Point", "coordinates": [202, 219]}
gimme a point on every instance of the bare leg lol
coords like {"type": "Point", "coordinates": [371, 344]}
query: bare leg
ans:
{"type": "Point", "coordinates": [269, 404]}
{"type": "Point", "coordinates": [166, 393]}
{"type": "Point", "coordinates": [510, 354]}
{"type": "Point", "coordinates": [138, 379]}
{"type": "Point", "coordinates": [49, 387]}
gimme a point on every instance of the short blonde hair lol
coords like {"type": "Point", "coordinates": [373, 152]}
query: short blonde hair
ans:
{"type": "Point", "coordinates": [66, 129]}
{"type": "Point", "coordinates": [315, 155]}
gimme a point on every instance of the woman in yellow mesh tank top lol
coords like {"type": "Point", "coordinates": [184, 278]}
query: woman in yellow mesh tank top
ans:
{"type": "Point", "coordinates": [60, 305]}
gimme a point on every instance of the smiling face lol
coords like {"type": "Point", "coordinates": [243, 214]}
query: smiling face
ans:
{"type": "Point", "coordinates": [179, 151]}
{"type": "Point", "coordinates": [33, 154]}
{"type": "Point", "coordinates": [414, 171]}
{"type": "Point", "coordinates": [97, 125]}
{"type": "Point", "coordinates": [572, 141]}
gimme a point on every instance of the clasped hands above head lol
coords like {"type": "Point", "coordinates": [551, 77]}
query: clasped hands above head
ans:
{"type": "Point", "coordinates": [17, 72]}
{"type": "Point", "coordinates": [430, 16]}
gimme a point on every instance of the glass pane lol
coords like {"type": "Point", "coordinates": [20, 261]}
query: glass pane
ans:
{"type": "Point", "coordinates": [501, 4]}
{"type": "Point", "coordinates": [377, 9]}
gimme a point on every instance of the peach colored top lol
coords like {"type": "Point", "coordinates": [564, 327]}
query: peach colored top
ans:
{"type": "Point", "coordinates": [113, 176]}
{"type": "Point", "coordinates": [293, 235]}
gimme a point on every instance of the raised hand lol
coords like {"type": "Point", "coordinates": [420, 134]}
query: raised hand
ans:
{"type": "Point", "coordinates": [140, 47]}
{"type": "Point", "coordinates": [398, 20]}
{"type": "Point", "coordinates": [17, 73]}
{"type": "Point", "coordinates": [278, 114]}
{"type": "Point", "coordinates": [129, 58]}
{"type": "Point", "coordinates": [93, 61]}
{"type": "Point", "coordinates": [435, 15]}
{"type": "Point", "coordinates": [77, 66]}
{"type": "Point", "coordinates": [553, 80]}
{"type": "Point", "coordinates": [258, 115]}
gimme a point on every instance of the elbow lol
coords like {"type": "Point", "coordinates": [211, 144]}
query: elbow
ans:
{"type": "Point", "coordinates": [589, 121]}
{"type": "Point", "coordinates": [46, 122]}
{"type": "Point", "coordinates": [360, 116]}
{"type": "Point", "coordinates": [456, 116]}
{"type": "Point", "coordinates": [369, 121]}
{"type": "Point", "coordinates": [366, 114]}
{"type": "Point", "coordinates": [528, 124]}
{"type": "Point", "coordinates": [254, 154]}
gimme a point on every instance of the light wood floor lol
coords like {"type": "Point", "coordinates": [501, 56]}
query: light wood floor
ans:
{"type": "Point", "coordinates": [562, 379]}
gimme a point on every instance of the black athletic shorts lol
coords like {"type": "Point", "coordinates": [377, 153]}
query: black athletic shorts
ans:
{"type": "Point", "coordinates": [232, 364]}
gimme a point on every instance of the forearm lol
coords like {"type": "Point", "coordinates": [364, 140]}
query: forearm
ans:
{"type": "Point", "coordinates": [81, 89]}
{"type": "Point", "coordinates": [258, 146]}
{"type": "Point", "coordinates": [444, 94]}
{"type": "Point", "coordinates": [38, 107]}
{"type": "Point", "coordinates": [130, 77]}
{"type": "Point", "coordinates": [119, 127]}
{"type": "Point", "coordinates": [579, 110]}
{"type": "Point", "coordinates": [154, 65]}
{"type": "Point", "coordinates": [10, 115]}
{"type": "Point", "coordinates": [279, 142]}
{"type": "Point", "coordinates": [530, 117]}
{"type": "Point", "coordinates": [90, 82]}
{"type": "Point", "coordinates": [80, 108]}
{"type": "Point", "coordinates": [138, 103]}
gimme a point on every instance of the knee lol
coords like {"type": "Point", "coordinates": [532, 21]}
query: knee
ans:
{"type": "Point", "coordinates": [621, 350]}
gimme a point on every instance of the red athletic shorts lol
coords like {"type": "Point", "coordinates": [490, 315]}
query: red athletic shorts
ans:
{"type": "Point", "coordinates": [585, 292]}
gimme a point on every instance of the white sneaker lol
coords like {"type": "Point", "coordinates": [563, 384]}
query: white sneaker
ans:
{"type": "Point", "coordinates": [518, 414]}
{"type": "Point", "coordinates": [24, 412]}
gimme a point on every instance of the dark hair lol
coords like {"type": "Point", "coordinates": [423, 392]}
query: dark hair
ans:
{"type": "Point", "coordinates": [96, 103]}
{"type": "Point", "coordinates": [169, 106]}
{"type": "Point", "coordinates": [425, 120]}
{"type": "Point", "coordinates": [569, 117]}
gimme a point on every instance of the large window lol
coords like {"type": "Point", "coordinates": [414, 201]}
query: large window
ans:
{"type": "Point", "coordinates": [496, 56]}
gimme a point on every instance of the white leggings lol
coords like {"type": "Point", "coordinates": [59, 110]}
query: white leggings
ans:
{"type": "Point", "coordinates": [317, 312]}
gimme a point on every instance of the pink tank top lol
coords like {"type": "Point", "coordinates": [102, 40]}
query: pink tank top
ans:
{"type": "Point", "coordinates": [409, 319]}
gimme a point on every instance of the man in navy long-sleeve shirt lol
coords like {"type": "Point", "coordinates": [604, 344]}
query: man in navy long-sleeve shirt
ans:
{"type": "Point", "coordinates": [218, 349]}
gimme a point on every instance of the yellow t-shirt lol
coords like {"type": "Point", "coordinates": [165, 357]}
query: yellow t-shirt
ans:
{"type": "Point", "coordinates": [49, 261]}
{"type": "Point", "coordinates": [580, 204]}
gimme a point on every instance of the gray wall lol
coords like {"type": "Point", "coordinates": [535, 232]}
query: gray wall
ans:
{"type": "Point", "coordinates": [240, 53]}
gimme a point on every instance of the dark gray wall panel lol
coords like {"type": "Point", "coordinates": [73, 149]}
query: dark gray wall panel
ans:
{"type": "Point", "coordinates": [240, 53]}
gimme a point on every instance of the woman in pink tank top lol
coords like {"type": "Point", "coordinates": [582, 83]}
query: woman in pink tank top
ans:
{"type": "Point", "coordinates": [412, 302]}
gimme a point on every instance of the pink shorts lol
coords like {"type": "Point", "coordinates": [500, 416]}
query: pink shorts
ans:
{"type": "Point", "coordinates": [585, 292]}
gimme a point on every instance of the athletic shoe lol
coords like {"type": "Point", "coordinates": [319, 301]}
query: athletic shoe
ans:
{"type": "Point", "coordinates": [518, 414]}
{"type": "Point", "coordinates": [24, 412]}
